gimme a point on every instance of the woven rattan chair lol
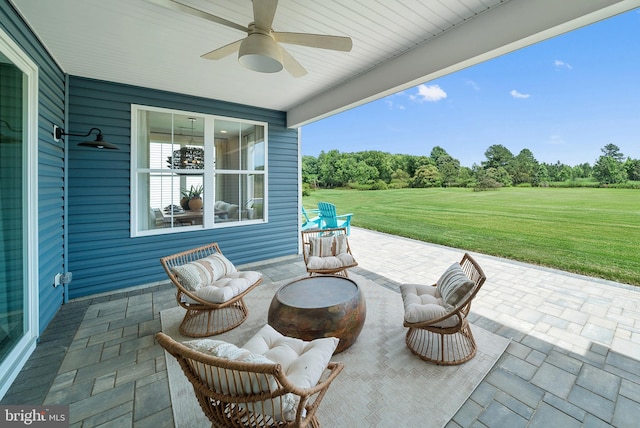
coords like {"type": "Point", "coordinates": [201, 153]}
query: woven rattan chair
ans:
{"type": "Point", "coordinates": [327, 251]}
{"type": "Point", "coordinates": [249, 394]}
{"type": "Point", "coordinates": [438, 332]}
{"type": "Point", "coordinates": [205, 317]}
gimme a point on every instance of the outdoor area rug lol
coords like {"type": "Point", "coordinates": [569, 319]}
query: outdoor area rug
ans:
{"type": "Point", "coordinates": [382, 385]}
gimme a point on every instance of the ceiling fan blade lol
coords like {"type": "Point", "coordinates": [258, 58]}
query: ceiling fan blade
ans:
{"type": "Point", "coordinates": [223, 51]}
{"type": "Point", "coordinates": [180, 7]}
{"type": "Point", "coordinates": [336, 43]}
{"type": "Point", "coordinates": [263, 13]}
{"type": "Point", "coordinates": [291, 65]}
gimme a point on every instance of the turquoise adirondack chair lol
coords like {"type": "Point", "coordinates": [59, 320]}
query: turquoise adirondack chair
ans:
{"type": "Point", "coordinates": [310, 223]}
{"type": "Point", "coordinates": [330, 219]}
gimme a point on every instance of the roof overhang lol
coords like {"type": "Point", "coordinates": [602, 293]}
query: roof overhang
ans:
{"type": "Point", "coordinates": [396, 45]}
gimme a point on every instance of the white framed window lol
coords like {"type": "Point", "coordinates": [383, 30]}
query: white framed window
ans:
{"type": "Point", "coordinates": [193, 171]}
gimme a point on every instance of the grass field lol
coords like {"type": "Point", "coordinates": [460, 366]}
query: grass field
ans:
{"type": "Point", "coordinates": [594, 232]}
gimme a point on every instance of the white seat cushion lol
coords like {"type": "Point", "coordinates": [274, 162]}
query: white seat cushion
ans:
{"type": "Point", "coordinates": [424, 303]}
{"type": "Point", "coordinates": [303, 362]}
{"type": "Point", "coordinates": [226, 287]}
{"type": "Point", "coordinates": [331, 262]}
{"type": "Point", "coordinates": [236, 382]}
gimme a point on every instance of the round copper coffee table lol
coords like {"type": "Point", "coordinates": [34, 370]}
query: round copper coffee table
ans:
{"type": "Point", "coordinates": [319, 306]}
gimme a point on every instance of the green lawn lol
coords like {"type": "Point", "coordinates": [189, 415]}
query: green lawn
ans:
{"type": "Point", "coordinates": [594, 232]}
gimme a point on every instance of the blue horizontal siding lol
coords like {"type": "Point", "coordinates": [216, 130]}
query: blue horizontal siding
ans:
{"type": "Point", "coordinates": [102, 255]}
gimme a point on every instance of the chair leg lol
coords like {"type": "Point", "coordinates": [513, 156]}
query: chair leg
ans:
{"type": "Point", "coordinates": [442, 348]}
{"type": "Point", "coordinates": [209, 322]}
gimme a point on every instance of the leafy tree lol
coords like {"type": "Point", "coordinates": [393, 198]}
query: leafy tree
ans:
{"type": "Point", "coordinates": [327, 168]}
{"type": "Point", "coordinates": [486, 181]}
{"type": "Point", "coordinates": [542, 176]}
{"type": "Point", "coordinates": [607, 170]}
{"type": "Point", "coordinates": [400, 179]}
{"type": "Point", "coordinates": [465, 177]}
{"type": "Point", "coordinates": [565, 173]}
{"type": "Point", "coordinates": [500, 175]}
{"type": "Point", "coordinates": [365, 173]}
{"type": "Point", "coordinates": [582, 170]}
{"type": "Point", "coordinates": [449, 169]}
{"type": "Point", "coordinates": [345, 170]}
{"type": "Point", "coordinates": [447, 166]}
{"type": "Point", "coordinates": [612, 151]}
{"type": "Point", "coordinates": [497, 156]}
{"type": "Point", "coordinates": [415, 162]}
{"type": "Point", "coordinates": [427, 176]}
{"type": "Point", "coordinates": [558, 171]}
{"type": "Point", "coordinates": [523, 167]}
{"type": "Point", "coordinates": [381, 161]}
{"type": "Point", "coordinates": [310, 170]}
{"type": "Point", "coordinates": [436, 153]}
{"type": "Point", "coordinates": [632, 166]}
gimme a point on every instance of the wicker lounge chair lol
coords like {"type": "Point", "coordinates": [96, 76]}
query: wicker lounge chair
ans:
{"type": "Point", "coordinates": [327, 251]}
{"type": "Point", "coordinates": [210, 289]}
{"type": "Point", "coordinates": [272, 381]}
{"type": "Point", "coordinates": [437, 315]}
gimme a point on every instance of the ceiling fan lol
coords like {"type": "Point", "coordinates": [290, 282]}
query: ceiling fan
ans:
{"type": "Point", "coordinates": [261, 50]}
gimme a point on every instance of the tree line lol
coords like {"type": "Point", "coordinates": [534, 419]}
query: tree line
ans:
{"type": "Point", "coordinates": [380, 170]}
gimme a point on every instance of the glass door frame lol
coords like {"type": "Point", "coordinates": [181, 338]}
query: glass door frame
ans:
{"type": "Point", "coordinates": [10, 366]}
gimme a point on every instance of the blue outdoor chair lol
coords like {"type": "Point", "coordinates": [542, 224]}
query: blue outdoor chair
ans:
{"type": "Point", "coordinates": [310, 223]}
{"type": "Point", "coordinates": [331, 220]}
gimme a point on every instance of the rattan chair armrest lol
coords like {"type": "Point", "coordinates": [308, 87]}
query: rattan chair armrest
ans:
{"type": "Point", "coordinates": [319, 390]}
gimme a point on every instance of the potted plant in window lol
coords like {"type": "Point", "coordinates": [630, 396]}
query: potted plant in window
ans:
{"type": "Point", "coordinates": [195, 199]}
{"type": "Point", "coordinates": [184, 202]}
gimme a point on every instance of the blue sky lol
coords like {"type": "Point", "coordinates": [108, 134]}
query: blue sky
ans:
{"type": "Point", "coordinates": [563, 99]}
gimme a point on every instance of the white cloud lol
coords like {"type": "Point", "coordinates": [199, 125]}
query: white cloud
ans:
{"type": "Point", "coordinates": [431, 93]}
{"type": "Point", "coordinates": [473, 84]}
{"type": "Point", "coordinates": [561, 64]}
{"type": "Point", "coordinates": [391, 105]}
{"type": "Point", "coordinates": [516, 94]}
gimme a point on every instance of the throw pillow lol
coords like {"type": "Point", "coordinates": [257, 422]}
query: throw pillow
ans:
{"type": "Point", "coordinates": [199, 273]}
{"type": "Point", "coordinates": [454, 285]}
{"type": "Point", "coordinates": [321, 246]}
{"type": "Point", "coordinates": [341, 244]}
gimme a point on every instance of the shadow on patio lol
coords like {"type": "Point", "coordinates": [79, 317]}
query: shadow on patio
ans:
{"type": "Point", "coordinates": [573, 359]}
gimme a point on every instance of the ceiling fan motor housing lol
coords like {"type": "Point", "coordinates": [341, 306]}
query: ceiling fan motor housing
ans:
{"type": "Point", "coordinates": [260, 52]}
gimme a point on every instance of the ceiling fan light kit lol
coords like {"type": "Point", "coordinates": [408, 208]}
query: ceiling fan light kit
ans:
{"type": "Point", "coordinates": [259, 52]}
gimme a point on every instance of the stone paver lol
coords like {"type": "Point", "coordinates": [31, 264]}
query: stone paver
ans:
{"type": "Point", "coordinates": [573, 359]}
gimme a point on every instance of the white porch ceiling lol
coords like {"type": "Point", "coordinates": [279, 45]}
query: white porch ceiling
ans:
{"type": "Point", "coordinates": [397, 44]}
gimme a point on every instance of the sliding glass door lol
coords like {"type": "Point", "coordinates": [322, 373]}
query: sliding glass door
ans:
{"type": "Point", "coordinates": [18, 210]}
{"type": "Point", "coordinates": [12, 308]}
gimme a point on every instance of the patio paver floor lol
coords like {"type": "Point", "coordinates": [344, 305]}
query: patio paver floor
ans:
{"type": "Point", "coordinates": [573, 359]}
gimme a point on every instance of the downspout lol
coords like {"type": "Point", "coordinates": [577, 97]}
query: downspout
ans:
{"type": "Point", "coordinates": [65, 192]}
